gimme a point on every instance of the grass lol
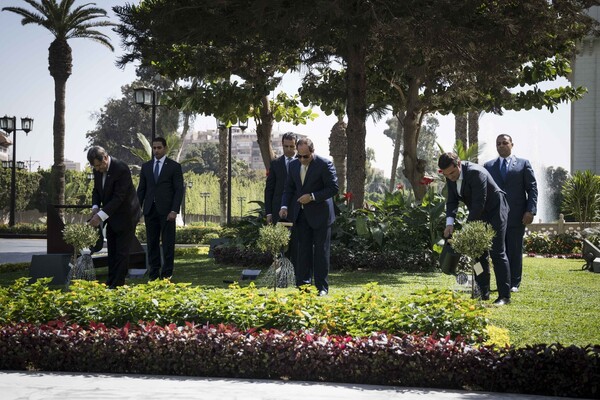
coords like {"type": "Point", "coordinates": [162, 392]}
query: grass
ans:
{"type": "Point", "coordinates": [559, 302]}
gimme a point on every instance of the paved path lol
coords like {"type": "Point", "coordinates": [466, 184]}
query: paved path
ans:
{"type": "Point", "coordinates": [20, 250]}
{"type": "Point", "coordinates": [60, 386]}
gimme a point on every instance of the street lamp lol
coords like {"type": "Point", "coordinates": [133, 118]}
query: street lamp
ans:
{"type": "Point", "coordinates": [242, 124]}
{"type": "Point", "coordinates": [9, 125]}
{"type": "Point", "coordinates": [241, 200]}
{"type": "Point", "coordinates": [185, 189]}
{"type": "Point", "coordinates": [205, 195]}
{"type": "Point", "coordinates": [147, 97]}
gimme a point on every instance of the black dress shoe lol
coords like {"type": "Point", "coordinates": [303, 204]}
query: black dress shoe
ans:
{"type": "Point", "coordinates": [322, 293]}
{"type": "Point", "coordinates": [485, 296]}
{"type": "Point", "coordinates": [502, 301]}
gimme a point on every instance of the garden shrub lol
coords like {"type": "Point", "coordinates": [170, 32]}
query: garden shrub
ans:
{"type": "Point", "coordinates": [24, 229]}
{"type": "Point", "coordinates": [185, 234]}
{"type": "Point", "coordinates": [545, 243]}
{"type": "Point", "coordinates": [225, 351]}
{"type": "Point", "coordinates": [361, 313]}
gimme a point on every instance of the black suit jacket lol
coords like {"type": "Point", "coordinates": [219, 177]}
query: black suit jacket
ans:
{"type": "Point", "coordinates": [167, 193]}
{"type": "Point", "coordinates": [274, 188]}
{"type": "Point", "coordinates": [519, 185]}
{"type": "Point", "coordinates": [118, 198]}
{"type": "Point", "coordinates": [321, 181]}
{"type": "Point", "coordinates": [484, 199]}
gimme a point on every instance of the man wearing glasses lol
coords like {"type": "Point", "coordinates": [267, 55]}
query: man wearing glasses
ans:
{"type": "Point", "coordinates": [115, 203]}
{"type": "Point", "coordinates": [310, 186]}
{"type": "Point", "coordinates": [514, 176]}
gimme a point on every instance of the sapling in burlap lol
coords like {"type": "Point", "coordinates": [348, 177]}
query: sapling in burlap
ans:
{"type": "Point", "coordinates": [474, 239]}
{"type": "Point", "coordinates": [274, 239]}
{"type": "Point", "coordinates": [82, 237]}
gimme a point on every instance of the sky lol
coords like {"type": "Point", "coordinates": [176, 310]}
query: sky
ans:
{"type": "Point", "coordinates": [27, 89]}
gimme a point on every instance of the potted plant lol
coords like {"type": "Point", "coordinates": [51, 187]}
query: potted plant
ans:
{"type": "Point", "coordinates": [274, 239]}
{"type": "Point", "coordinates": [82, 237]}
{"type": "Point", "coordinates": [474, 239]}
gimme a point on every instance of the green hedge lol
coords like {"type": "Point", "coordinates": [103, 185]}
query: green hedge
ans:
{"type": "Point", "coordinates": [186, 234]}
{"type": "Point", "coordinates": [357, 314]}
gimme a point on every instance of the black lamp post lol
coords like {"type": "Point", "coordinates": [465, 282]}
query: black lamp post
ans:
{"type": "Point", "coordinates": [241, 200]}
{"type": "Point", "coordinates": [221, 125]}
{"type": "Point", "coordinates": [9, 125]}
{"type": "Point", "coordinates": [186, 187]}
{"type": "Point", "coordinates": [147, 97]}
{"type": "Point", "coordinates": [205, 196]}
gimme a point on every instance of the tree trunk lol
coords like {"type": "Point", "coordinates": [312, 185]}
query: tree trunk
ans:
{"type": "Point", "coordinates": [60, 63]}
{"type": "Point", "coordinates": [473, 117]}
{"type": "Point", "coordinates": [414, 168]}
{"type": "Point", "coordinates": [357, 113]}
{"type": "Point", "coordinates": [460, 129]}
{"type": "Point", "coordinates": [338, 147]}
{"type": "Point", "coordinates": [400, 115]}
{"type": "Point", "coordinates": [263, 132]}
{"type": "Point", "coordinates": [186, 127]}
{"type": "Point", "coordinates": [223, 148]}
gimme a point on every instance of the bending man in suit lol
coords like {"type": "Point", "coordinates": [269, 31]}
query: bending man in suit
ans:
{"type": "Point", "coordinates": [278, 171]}
{"type": "Point", "coordinates": [472, 184]}
{"type": "Point", "coordinates": [115, 204]}
{"type": "Point", "coordinates": [160, 192]}
{"type": "Point", "coordinates": [515, 177]}
{"type": "Point", "coordinates": [311, 184]}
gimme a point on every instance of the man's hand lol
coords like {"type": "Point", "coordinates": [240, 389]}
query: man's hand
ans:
{"type": "Point", "coordinates": [527, 218]}
{"type": "Point", "coordinates": [305, 199]}
{"type": "Point", "coordinates": [448, 231]}
{"type": "Point", "coordinates": [283, 213]}
{"type": "Point", "coordinates": [172, 216]}
{"type": "Point", "coordinates": [95, 211]}
{"type": "Point", "coordinates": [95, 221]}
{"type": "Point", "coordinates": [269, 219]}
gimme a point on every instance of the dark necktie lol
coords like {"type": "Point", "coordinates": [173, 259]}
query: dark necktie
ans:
{"type": "Point", "coordinates": [156, 170]}
{"type": "Point", "coordinates": [287, 163]}
{"type": "Point", "coordinates": [503, 169]}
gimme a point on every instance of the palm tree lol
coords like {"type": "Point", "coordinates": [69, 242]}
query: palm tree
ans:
{"type": "Point", "coordinates": [65, 22]}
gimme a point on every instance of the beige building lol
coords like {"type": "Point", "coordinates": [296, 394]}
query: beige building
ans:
{"type": "Point", "coordinates": [585, 118]}
{"type": "Point", "coordinates": [244, 145]}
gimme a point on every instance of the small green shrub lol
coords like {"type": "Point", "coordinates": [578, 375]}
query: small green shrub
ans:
{"type": "Point", "coordinates": [361, 313]}
{"type": "Point", "coordinates": [545, 243]}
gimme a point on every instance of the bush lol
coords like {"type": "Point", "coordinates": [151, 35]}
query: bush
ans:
{"type": "Point", "coordinates": [224, 351]}
{"type": "Point", "coordinates": [186, 234]}
{"type": "Point", "coordinates": [544, 243]}
{"type": "Point", "coordinates": [358, 314]}
{"type": "Point", "coordinates": [36, 229]}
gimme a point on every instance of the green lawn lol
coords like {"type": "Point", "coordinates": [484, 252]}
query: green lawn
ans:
{"type": "Point", "coordinates": [559, 302]}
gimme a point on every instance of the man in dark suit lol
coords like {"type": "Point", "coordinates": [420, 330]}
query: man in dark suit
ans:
{"type": "Point", "coordinates": [160, 193]}
{"type": "Point", "coordinates": [473, 184]}
{"type": "Point", "coordinates": [311, 184]}
{"type": "Point", "coordinates": [278, 171]}
{"type": "Point", "coordinates": [115, 204]}
{"type": "Point", "coordinates": [276, 176]}
{"type": "Point", "coordinates": [515, 177]}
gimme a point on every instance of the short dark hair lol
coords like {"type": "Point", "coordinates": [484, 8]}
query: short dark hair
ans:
{"type": "Point", "coordinates": [161, 140]}
{"type": "Point", "coordinates": [447, 159]}
{"type": "Point", "coordinates": [96, 153]}
{"type": "Point", "coordinates": [504, 134]}
{"type": "Point", "coordinates": [289, 136]}
{"type": "Point", "coordinates": [308, 142]}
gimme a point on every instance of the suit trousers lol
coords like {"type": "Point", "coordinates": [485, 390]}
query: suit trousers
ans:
{"type": "Point", "coordinates": [118, 246]}
{"type": "Point", "coordinates": [313, 253]}
{"type": "Point", "coordinates": [514, 252]}
{"type": "Point", "coordinates": [159, 229]}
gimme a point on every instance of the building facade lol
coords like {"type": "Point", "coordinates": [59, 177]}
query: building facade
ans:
{"type": "Point", "coordinates": [585, 118]}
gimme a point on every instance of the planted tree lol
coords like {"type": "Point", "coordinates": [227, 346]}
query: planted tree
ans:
{"type": "Point", "coordinates": [581, 197]}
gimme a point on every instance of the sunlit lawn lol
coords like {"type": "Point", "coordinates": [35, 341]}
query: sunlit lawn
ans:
{"type": "Point", "coordinates": [558, 301]}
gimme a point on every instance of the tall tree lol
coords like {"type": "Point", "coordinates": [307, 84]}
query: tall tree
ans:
{"type": "Point", "coordinates": [64, 21]}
